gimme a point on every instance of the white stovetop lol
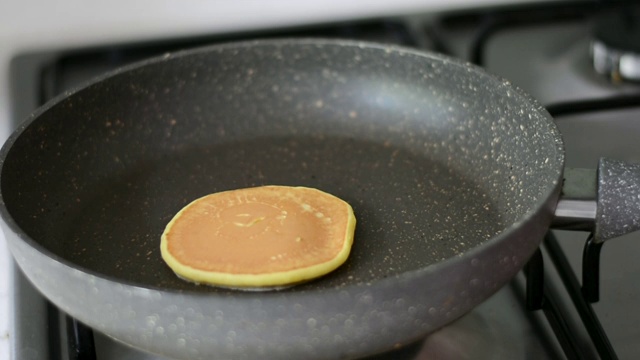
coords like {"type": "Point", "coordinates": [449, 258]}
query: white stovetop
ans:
{"type": "Point", "coordinates": [29, 25]}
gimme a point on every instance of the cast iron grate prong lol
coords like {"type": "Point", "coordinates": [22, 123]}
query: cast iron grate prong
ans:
{"type": "Point", "coordinates": [591, 270]}
{"type": "Point", "coordinates": [80, 342]}
{"type": "Point", "coordinates": [589, 318]}
{"type": "Point", "coordinates": [538, 297]}
{"type": "Point", "coordinates": [617, 102]}
{"type": "Point", "coordinates": [496, 21]}
{"type": "Point", "coordinates": [534, 270]}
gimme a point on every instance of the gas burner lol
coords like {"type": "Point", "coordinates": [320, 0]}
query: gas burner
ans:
{"type": "Point", "coordinates": [615, 49]}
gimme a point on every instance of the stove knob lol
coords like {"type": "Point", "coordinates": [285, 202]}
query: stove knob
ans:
{"type": "Point", "coordinates": [615, 49]}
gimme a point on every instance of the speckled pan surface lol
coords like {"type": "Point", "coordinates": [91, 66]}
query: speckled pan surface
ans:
{"type": "Point", "coordinates": [453, 175]}
{"type": "Point", "coordinates": [618, 211]}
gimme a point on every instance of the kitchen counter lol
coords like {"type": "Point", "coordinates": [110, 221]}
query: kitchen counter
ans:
{"type": "Point", "coordinates": [32, 26]}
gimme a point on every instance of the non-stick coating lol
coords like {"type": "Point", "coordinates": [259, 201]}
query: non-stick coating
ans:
{"type": "Point", "coordinates": [436, 157]}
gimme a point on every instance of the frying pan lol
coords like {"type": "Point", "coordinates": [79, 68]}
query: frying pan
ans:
{"type": "Point", "coordinates": [453, 174]}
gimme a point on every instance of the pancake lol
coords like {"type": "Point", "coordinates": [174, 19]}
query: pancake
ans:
{"type": "Point", "coordinates": [259, 238]}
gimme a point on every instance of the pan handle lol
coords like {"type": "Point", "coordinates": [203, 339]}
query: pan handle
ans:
{"type": "Point", "coordinates": [605, 201]}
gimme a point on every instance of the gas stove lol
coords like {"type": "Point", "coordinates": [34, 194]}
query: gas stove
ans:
{"type": "Point", "coordinates": [554, 51]}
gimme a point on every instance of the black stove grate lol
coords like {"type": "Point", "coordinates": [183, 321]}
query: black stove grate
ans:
{"type": "Point", "coordinates": [578, 295]}
{"type": "Point", "coordinates": [540, 297]}
{"type": "Point", "coordinates": [80, 342]}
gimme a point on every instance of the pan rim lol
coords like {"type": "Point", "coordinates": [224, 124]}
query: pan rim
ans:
{"type": "Point", "coordinates": [546, 198]}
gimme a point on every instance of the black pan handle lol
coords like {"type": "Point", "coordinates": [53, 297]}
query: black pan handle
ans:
{"type": "Point", "coordinates": [605, 201]}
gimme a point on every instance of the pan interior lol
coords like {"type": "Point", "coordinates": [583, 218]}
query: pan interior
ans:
{"type": "Point", "coordinates": [412, 212]}
{"type": "Point", "coordinates": [431, 162]}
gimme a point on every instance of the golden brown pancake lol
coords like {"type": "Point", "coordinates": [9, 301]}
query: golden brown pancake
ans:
{"type": "Point", "coordinates": [261, 237]}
